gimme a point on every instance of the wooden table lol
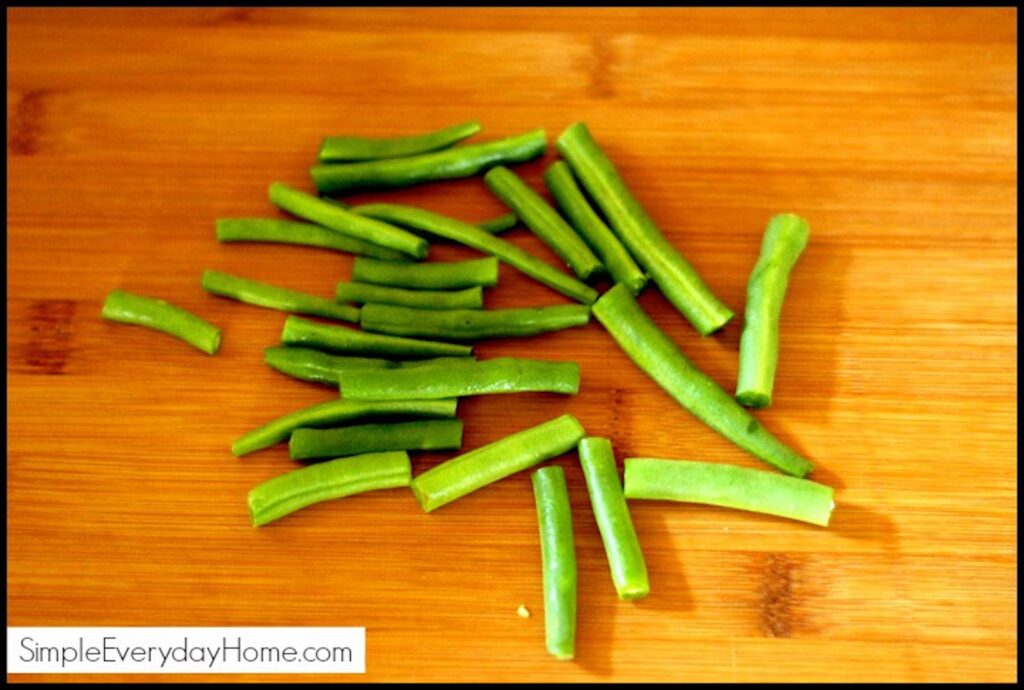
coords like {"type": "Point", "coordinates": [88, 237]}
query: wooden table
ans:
{"type": "Point", "coordinates": [893, 132]}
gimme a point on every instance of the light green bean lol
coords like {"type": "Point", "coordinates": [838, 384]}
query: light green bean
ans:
{"type": "Point", "coordinates": [363, 293]}
{"type": "Point", "coordinates": [433, 275]}
{"type": "Point", "coordinates": [346, 340]}
{"type": "Point", "coordinates": [558, 560]}
{"type": "Point", "coordinates": [310, 444]}
{"type": "Point", "coordinates": [338, 149]}
{"type": "Point", "coordinates": [306, 234]}
{"type": "Point", "coordinates": [273, 297]}
{"type": "Point", "coordinates": [472, 324]}
{"type": "Point", "coordinates": [139, 310]}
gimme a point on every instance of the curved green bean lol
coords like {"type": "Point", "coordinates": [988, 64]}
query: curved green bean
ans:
{"type": "Point", "coordinates": [127, 307]}
{"type": "Point", "coordinates": [625, 558]}
{"type": "Point", "coordinates": [287, 493]}
{"type": "Point", "coordinates": [320, 367]}
{"type": "Point", "coordinates": [460, 161]}
{"type": "Point", "coordinates": [472, 324]}
{"type": "Point", "coordinates": [663, 361]}
{"type": "Point", "coordinates": [434, 275]}
{"type": "Point", "coordinates": [730, 487]}
{"type": "Point", "coordinates": [346, 340]}
{"type": "Point", "coordinates": [474, 470]}
{"type": "Point", "coordinates": [499, 224]}
{"type": "Point", "coordinates": [545, 222]}
{"type": "Point", "coordinates": [362, 293]}
{"type": "Point", "coordinates": [558, 560]}
{"type": "Point", "coordinates": [675, 277]}
{"type": "Point", "coordinates": [344, 221]}
{"type": "Point", "coordinates": [337, 149]}
{"type": "Point", "coordinates": [306, 234]}
{"type": "Point", "coordinates": [273, 297]}
{"type": "Point", "coordinates": [311, 444]}
{"type": "Point", "coordinates": [784, 241]}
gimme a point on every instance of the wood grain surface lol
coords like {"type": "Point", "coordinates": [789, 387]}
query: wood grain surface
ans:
{"type": "Point", "coordinates": [892, 132]}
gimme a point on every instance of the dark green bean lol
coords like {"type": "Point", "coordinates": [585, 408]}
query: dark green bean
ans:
{"type": "Point", "coordinates": [499, 224]}
{"type": "Point", "coordinates": [139, 310]}
{"type": "Point", "coordinates": [434, 275]}
{"type": "Point", "coordinates": [471, 324]}
{"type": "Point", "coordinates": [362, 293]}
{"type": "Point", "coordinates": [320, 367]}
{"type": "Point", "coordinates": [337, 149]}
{"type": "Point", "coordinates": [310, 444]}
{"type": "Point", "coordinates": [273, 297]}
{"type": "Point", "coordinates": [558, 560]}
{"type": "Point", "coordinates": [346, 340]}
{"type": "Point", "coordinates": [306, 234]}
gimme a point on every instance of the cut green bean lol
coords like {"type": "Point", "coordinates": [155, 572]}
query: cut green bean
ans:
{"type": "Point", "coordinates": [339, 149]}
{"type": "Point", "coordinates": [675, 277]}
{"type": "Point", "coordinates": [344, 221]}
{"type": "Point", "coordinates": [435, 275]}
{"type": "Point", "coordinates": [362, 293]}
{"type": "Point", "coordinates": [139, 310]}
{"type": "Point", "coordinates": [592, 229]}
{"type": "Point", "coordinates": [730, 487]}
{"type": "Point", "coordinates": [453, 163]}
{"type": "Point", "coordinates": [663, 361]}
{"type": "Point", "coordinates": [455, 379]}
{"type": "Point", "coordinates": [320, 367]}
{"type": "Point", "coordinates": [476, 238]}
{"type": "Point", "coordinates": [335, 412]}
{"type": "Point", "coordinates": [472, 324]}
{"type": "Point", "coordinates": [273, 297]}
{"type": "Point", "coordinates": [558, 560]}
{"type": "Point", "coordinates": [784, 241]}
{"type": "Point", "coordinates": [311, 444]}
{"type": "Point", "coordinates": [474, 470]}
{"type": "Point", "coordinates": [500, 224]}
{"type": "Point", "coordinates": [545, 222]}
{"type": "Point", "coordinates": [626, 560]}
{"type": "Point", "coordinates": [305, 234]}
{"type": "Point", "coordinates": [348, 341]}
{"type": "Point", "coordinates": [287, 493]}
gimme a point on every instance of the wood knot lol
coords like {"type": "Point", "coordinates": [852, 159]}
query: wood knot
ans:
{"type": "Point", "coordinates": [50, 336]}
{"type": "Point", "coordinates": [27, 123]}
{"type": "Point", "coordinates": [776, 606]}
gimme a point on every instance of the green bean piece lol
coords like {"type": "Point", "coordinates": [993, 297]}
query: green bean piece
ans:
{"type": "Point", "coordinates": [320, 367]}
{"type": "Point", "coordinates": [663, 361]}
{"type": "Point", "coordinates": [335, 412]}
{"type": "Point", "coordinates": [287, 493]}
{"type": "Point", "coordinates": [674, 276]}
{"type": "Point", "coordinates": [545, 222]}
{"type": "Point", "coordinates": [341, 220]}
{"type": "Point", "coordinates": [453, 479]}
{"type": "Point", "coordinates": [435, 275]}
{"type": "Point", "coordinates": [306, 234]}
{"type": "Point", "coordinates": [127, 307]}
{"type": "Point", "coordinates": [558, 560]}
{"type": "Point", "coordinates": [784, 241]}
{"type": "Point", "coordinates": [500, 224]}
{"type": "Point", "coordinates": [450, 164]}
{"type": "Point", "coordinates": [452, 379]}
{"type": "Point", "coordinates": [348, 341]}
{"type": "Point", "coordinates": [273, 297]}
{"type": "Point", "coordinates": [471, 324]}
{"type": "Point", "coordinates": [592, 229]}
{"type": "Point", "coordinates": [338, 149]}
{"type": "Point", "coordinates": [362, 293]}
{"type": "Point", "coordinates": [312, 444]}
{"type": "Point", "coordinates": [476, 238]}
{"type": "Point", "coordinates": [626, 560]}
{"type": "Point", "coordinates": [730, 487]}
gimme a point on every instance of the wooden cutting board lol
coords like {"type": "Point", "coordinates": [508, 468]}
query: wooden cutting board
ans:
{"type": "Point", "coordinates": [892, 132]}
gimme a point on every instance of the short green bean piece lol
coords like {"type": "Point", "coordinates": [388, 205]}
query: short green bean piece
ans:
{"type": "Point", "coordinates": [344, 221]}
{"type": "Point", "coordinates": [592, 229]}
{"type": "Point", "coordinates": [349, 341]}
{"type": "Point", "coordinates": [453, 163]}
{"type": "Point", "coordinates": [730, 487]}
{"type": "Point", "coordinates": [335, 412]}
{"type": "Point", "coordinates": [784, 241]}
{"type": "Point", "coordinates": [273, 297]}
{"type": "Point", "coordinates": [664, 362]}
{"type": "Point", "coordinates": [311, 444]}
{"type": "Point", "coordinates": [545, 222]}
{"type": "Point", "coordinates": [362, 293]}
{"type": "Point", "coordinates": [499, 224]}
{"type": "Point", "coordinates": [452, 379]}
{"type": "Point", "coordinates": [307, 234]}
{"type": "Point", "coordinates": [626, 560]}
{"type": "Point", "coordinates": [320, 367]}
{"type": "Point", "coordinates": [675, 277]}
{"type": "Point", "coordinates": [435, 275]}
{"type": "Point", "coordinates": [139, 310]}
{"type": "Point", "coordinates": [287, 493]}
{"type": "Point", "coordinates": [472, 324]}
{"type": "Point", "coordinates": [474, 237]}
{"type": "Point", "coordinates": [337, 149]}
{"type": "Point", "coordinates": [474, 470]}
{"type": "Point", "coordinates": [558, 560]}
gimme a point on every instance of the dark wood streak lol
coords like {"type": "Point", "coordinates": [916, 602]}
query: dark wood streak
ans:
{"type": "Point", "coordinates": [602, 61]}
{"type": "Point", "coordinates": [50, 337]}
{"type": "Point", "coordinates": [776, 615]}
{"type": "Point", "coordinates": [26, 125]}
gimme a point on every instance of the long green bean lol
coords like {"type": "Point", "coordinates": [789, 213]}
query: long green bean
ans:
{"type": "Point", "coordinates": [362, 293]}
{"type": "Point", "coordinates": [663, 361]}
{"type": "Point", "coordinates": [499, 224]}
{"type": "Point", "coordinates": [320, 367]}
{"type": "Point", "coordinates": [471, 324]}
{"type": "Point", "coordinates": [306, 234]}
{"type": "Point", "coordinates": [310, 444]}
{"type": "Point", "coordinates": [346, 340]}
{"type": "Point", "coordinates": [337, 149]}
{"type": "Point", "coordinates": [139, 310]}
{"type": "Point", "coordinates": [558, 560]}
{"type": "Point", "coordinates": [435, 275]}
{"type": "Point", "coordinates": [273, 297]}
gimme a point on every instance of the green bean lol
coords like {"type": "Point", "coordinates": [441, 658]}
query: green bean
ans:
{"type": "Point", "coordinates": [471, 324]}
{"type": "Point", "coordinates": [558, 560]}
{"type": "Point", "coordinates": [545, 222]}
{"type": "Point", "coordinates": [346, 340]}
{"type": "Point", "coordinates": [306, 234]}
{"type": "Point", "coordinates": [273, 297]}
{"type": "Point", "coordinates": [476, 238]}
{"type": "Point", "coordinates": [499, 224]}
{"type": "Point", "coordinates": [361, 293]}
{"type": "Point", "coordinates": [320, 367]}
{"type": "Point", "coordinates": [334, 149]}
{"type": "Point", "coordinates": [730, 487]}
{"type": "Point", "coordinates": [335, 412]}
{"type": "Point", "coordinates": [454, 379]}
{"type": "Point", "coordinates": [662, 360]}
{"type": "Point", "coordinates": [474, 470]}
{"type": "Point", "coordinates": [675, 277]}
{"type": "Point", "coordinates": [592, 229]}
{"type": "Point", "coordinates": [626, 560]}
{"type": "Point", "coordinates": [460, 161]}
{"type": "Point", "coordinates": [435, 275]}
{"type": "Point", "coordinates": [784, 241]}
{"type": "Point", "coordinates": [344, 221]}
{"type": "Point", "coordinates": [287, 493]}
{"type": "Point", "coordinates": [310, 444]}
{"type": "Point", "coordinates": [128, 307]}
